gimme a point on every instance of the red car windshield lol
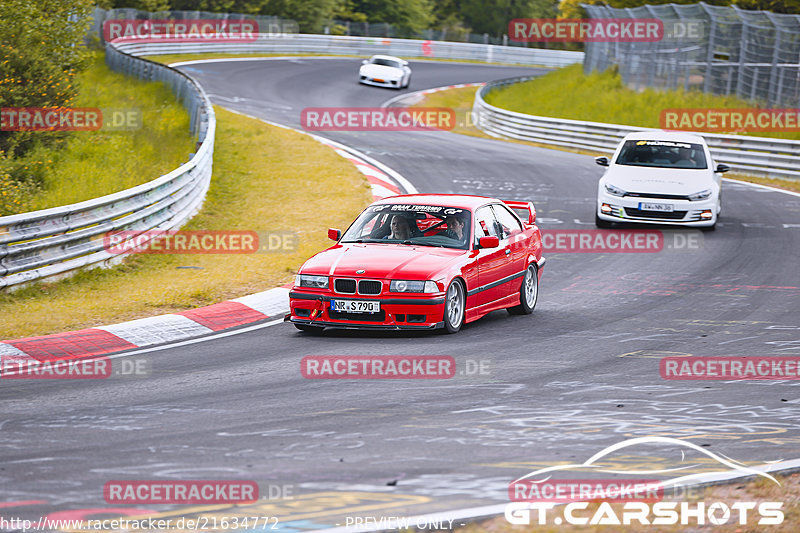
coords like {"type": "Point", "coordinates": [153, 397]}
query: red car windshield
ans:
{"type": "Point", "coordinates": [423, 225]}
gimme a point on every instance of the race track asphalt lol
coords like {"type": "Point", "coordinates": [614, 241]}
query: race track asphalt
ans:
{"type": "Point", "coordinates": [579, 374]}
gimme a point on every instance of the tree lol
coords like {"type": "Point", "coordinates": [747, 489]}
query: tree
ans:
{"type": "Point", "coordinates": [41, 50]}
{"type": "Point", "coordinates": [408, 16]}
{"type": "Point", "coordinates": [493, 17]}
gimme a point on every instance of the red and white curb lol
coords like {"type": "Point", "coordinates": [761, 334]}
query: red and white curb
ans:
{"type": "Point", "coordinates": [412, 98]}
{"type": "Point", "coordinates": [143, 332]}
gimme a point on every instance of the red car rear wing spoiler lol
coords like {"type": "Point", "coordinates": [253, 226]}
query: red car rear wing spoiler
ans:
{"type": "Point", "coordinates": [524, 210]}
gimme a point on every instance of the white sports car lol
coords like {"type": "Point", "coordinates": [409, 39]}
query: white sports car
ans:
{"type": "Point", "coordinates": [385, 71]}
{"type": "Point", "coordinates": [660, 178]}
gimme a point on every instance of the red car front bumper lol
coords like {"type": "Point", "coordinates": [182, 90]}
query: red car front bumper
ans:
{"type": "Point", "coordinates": [423, 311]}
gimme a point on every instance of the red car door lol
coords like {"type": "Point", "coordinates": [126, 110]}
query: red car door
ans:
{"type": "Point", "coordinates": [514, 242]}
{"type": "Point", "coordinates": [492, 262]}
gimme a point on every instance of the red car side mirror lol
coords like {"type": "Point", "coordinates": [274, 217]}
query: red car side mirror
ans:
{"type": "Point", "coordinates": [489, 242]}
{"type": "Point", "coordinates": [334, 234]}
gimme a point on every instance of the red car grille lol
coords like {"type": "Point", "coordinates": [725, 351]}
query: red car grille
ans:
{"type": "Point", "coordinates": [368, 286]}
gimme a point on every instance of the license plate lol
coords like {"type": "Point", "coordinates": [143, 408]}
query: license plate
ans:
{"type": "Point", "coordinates": [646, 206]}
{"type": "Point", "coordinates": [356, 306]}
{"type": "Point", "coordinates": [379, 81]}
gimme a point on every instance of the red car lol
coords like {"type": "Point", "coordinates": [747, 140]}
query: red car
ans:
{"type": "Point", "coordinates": [422, 261]}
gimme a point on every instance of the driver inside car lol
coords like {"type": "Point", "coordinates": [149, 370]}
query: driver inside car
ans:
{"type": "Point", "coordinates": [455, 228]}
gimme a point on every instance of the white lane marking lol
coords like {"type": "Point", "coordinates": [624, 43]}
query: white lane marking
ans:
{"type": "Point", "coordinates": [759, 186]}
{"type": "Point", "coordinates": [195, 341]}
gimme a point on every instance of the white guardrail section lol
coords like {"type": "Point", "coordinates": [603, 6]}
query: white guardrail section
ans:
{"type": "Point", "coordinates": [299, 43]}
{"type": "Point", "coordinates": [775, 158]}
{"type": "Point", "coordinates": [52, 243]}
{"type": "Point", "coordinates": [55, 242]}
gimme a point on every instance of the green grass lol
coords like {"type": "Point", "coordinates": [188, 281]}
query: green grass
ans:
{"type": "Point", "coordinates": [461, 101]}
{"type": "Point", "coordinates": [602, 97]}
{"type": "Point", "coordinates": [265, 179]}
{"type": "Point", "coordinates": [89, 164]}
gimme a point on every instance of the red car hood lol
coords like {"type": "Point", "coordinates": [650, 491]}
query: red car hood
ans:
{"type": "Point", "coordinates": [382, 261]}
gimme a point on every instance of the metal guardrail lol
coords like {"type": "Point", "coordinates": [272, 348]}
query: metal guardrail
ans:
{"type": "Point", "coordinates": [51, 243]}
{"type": "Point", "coordinates": [294, 43]}
{"type": "Point", "coordinates": [776, 158]}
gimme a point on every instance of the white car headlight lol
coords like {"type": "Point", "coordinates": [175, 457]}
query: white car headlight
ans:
{"type": "Point", "coordinates": [702, 195]}
{"type": "Point", "coordinates": [614, 191]}
{"type": "Point", "coordinates": [314, 282]}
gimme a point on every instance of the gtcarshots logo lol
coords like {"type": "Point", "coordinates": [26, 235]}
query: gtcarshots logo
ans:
{"type": "Point", "coordinates": [377, 118]}
{"type": "Point", "coordinates": [536, 495]}
{"type": "Point", "coordinates": [180, 492]}
{"type": "Point", "coordinates": [181, 30]}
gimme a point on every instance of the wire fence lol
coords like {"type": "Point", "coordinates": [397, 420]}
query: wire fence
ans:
{"type": "Point", "coordinates": [754, 55]}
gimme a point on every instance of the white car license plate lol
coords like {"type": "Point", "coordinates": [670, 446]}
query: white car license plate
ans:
{"type": "Point", "coordinates": [647, 206]}
{"type": "Point", "coordinates": [356, 306]}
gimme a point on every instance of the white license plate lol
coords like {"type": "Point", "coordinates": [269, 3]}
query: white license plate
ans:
{"type": "Point", "coordinates": [356, 306]}
{"type": "Point", "coordinates": [647, 206]}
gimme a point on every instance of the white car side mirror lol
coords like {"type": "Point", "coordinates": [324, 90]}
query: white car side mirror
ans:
{"type": "Point", "coordinates": [364, 62]}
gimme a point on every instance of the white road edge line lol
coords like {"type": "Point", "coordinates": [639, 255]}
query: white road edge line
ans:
{"type": "Point", "coordinates": [759, 186]}
{"type": "Point", "coordinates": [195, 340]}
{"type": "Point", "coordinates": [403, 182]}
{"type": "Point", "coordinates": [167, 346]}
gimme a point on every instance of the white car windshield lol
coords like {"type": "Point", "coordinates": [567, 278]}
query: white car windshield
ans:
{"type": "Point", "coordinates": [666, 154]}
{"type": "Point", "coordinates": [423, 225]}
{"type": "Point", "coordinates": [384, 62]}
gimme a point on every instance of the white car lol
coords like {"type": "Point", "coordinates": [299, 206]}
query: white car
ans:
{"type": "Point", "coordinates": [660, 178]}
{"type": "Point", "coordinates": [385, 71]}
